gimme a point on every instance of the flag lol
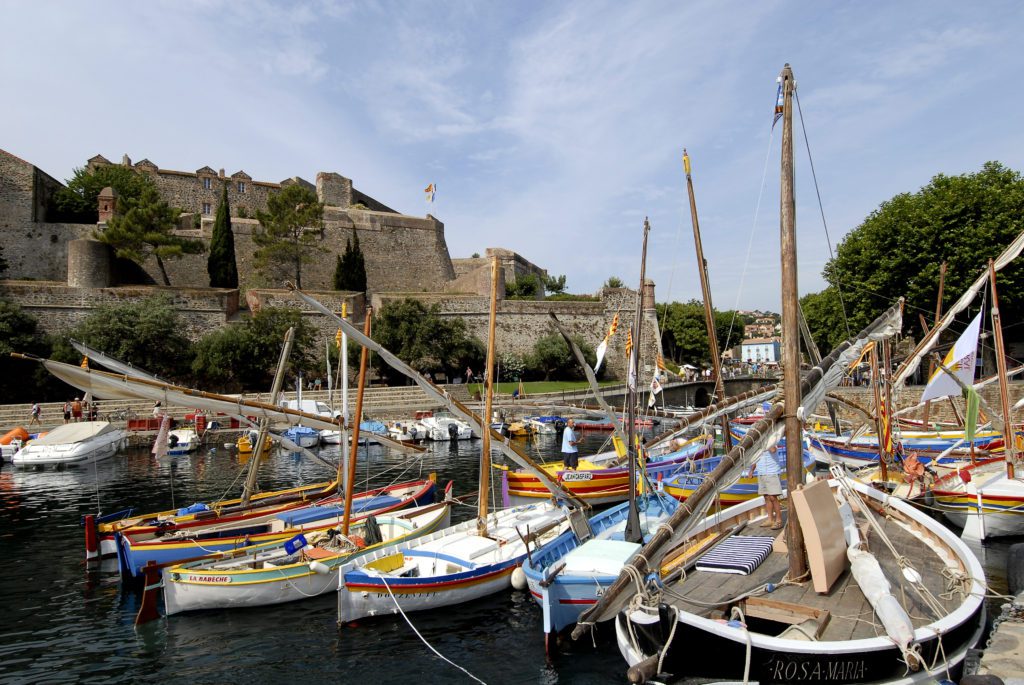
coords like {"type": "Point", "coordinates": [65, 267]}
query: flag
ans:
{"type": "Point", "coordinates": [780, 103]}
{"type": "Point", "coordinates": [660, 363]}
{"type": "Point", "coordinates": [603, 347]}
{"type": "Point", "coordinates": [959, 360]}
{"type": "Point", "coordinates": [655, 388]}
{"type": "Point", "coordinates": [430, 191]}
{"type": "Point", "coordinates": [337, 339]}
{"type": "Point", "coordinates": [85, 363]}
{"type": "Point", "coordinates": [629, 343]}
{"type": "Point", "coordinates": [971, 417]}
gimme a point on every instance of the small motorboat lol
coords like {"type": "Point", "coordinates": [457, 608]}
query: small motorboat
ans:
{"type": "Point", "coordinates": [406, 431]}
{"type": "Point", "coordinates": [182, 441]}
{"type": "Point", "coordinates": [84, 442]}
{"type": "Point", "coordinates": [303, 436]}
{"type": "Point", "coordinates": [443, 426]}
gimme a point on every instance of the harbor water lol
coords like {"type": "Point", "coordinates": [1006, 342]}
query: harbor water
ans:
{"type": "Point", "coordinates": [68, 621]}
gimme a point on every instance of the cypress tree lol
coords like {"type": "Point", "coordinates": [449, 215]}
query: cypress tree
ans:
{"type": "Point", "coordinates": [358, 265]}
{"type": "Point", "coordinates": [221, 263]}
{"type": "Point", "coordinates": [350, 268]}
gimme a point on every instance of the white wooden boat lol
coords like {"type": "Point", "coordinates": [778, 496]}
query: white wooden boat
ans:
{"type": "Point", "coordinates": [292, 570]}
{"type": "Point", "coordinates": [451, 566]}
{"type": "Point", "coordinates": [72, 444]}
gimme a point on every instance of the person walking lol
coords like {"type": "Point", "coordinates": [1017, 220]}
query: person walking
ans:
{"type": "Point", "coordinates": [67, 412]}
{"type": "Point", "coordinates": [769, 484]}
{"type": "Point", "coordinates": [570, 453]}
{"type": "Point", "coordinates": [76, 409]}
{"type": "Point", "coordinates": [469, 375]}
{"type": "Point", "coordinates": [34, 412]}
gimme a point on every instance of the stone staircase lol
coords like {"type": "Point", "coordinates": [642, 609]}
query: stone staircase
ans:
{"type": "Point", "coordinates": [378, 403]}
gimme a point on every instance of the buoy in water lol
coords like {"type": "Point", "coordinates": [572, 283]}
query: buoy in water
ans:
{"type": "Point", "coordinates": [519, 578]}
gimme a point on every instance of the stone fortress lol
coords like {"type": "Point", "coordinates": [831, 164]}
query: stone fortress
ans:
{"type": "Point", "coordinates": [58, 272]}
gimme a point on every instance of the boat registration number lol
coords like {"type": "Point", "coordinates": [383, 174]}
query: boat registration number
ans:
{"type": "Point", "coordinates": [576, 476]}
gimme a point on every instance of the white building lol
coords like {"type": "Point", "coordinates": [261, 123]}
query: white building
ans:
{"type": "Point", "coordinates": [761, 351]}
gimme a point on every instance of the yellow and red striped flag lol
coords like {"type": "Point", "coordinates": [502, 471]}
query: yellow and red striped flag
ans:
{"type": "Point", "coordinates": [603, 347]}
{"type": "Point", "coordinates": [629, 343]}
{"type": "Point", "coordinates": [85, 363]}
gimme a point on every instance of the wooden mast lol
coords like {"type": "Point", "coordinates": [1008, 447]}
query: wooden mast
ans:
{"type": "Point", "coordinates": [1009, 435]}
{"type": "Point", "coordinates": [364, 358]}
{"type": "Point", "coordinates": [485, 449]}
{"type": "Point", "coordinates": [275, 388]}
{"type": "Point", "coordinates": [709, 315]}
{"type": "Point", "coordinates": [633, 532]}
{"type": "Point", "coordinates": [791, 329]}
{"type": "Point", "coordinates": [931, 363]}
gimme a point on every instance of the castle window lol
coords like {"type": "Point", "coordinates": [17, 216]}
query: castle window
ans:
{"type": "Point", "coordinates": [206, 208]}
{"type": "Point", "coordinates": [241, 186]}
{"type": "Point", "coordinates": [207, 183]}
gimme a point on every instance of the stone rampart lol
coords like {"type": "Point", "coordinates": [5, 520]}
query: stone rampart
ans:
{"type": "Point", "coordinates": [325, 329]}
{"type": "Point", "coordinates": [59, 307]}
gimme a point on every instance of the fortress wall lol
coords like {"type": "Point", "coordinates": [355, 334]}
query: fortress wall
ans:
{"type": "Point", "coordinates": [59, 308]}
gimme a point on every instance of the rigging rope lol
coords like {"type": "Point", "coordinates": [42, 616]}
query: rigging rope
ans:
{"type": "Point", "coordinates": [821, 208]}
{"type": "Point", "coordinates": [423, 639]}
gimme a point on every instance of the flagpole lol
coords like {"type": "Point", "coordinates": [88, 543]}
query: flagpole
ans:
{"type": "Point", "coordinates": [1009, 435]}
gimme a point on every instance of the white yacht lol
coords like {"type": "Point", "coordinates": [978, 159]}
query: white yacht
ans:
{"type": "Point", "coordinates": [72, 444]}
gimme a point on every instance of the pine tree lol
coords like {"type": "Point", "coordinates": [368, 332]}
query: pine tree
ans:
{"type": "Point", "coordinates": [340, 283]}
{"type": "Point", "coordinates": [221, 263]}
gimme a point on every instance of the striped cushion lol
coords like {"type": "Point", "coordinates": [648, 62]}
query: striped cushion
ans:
{"type": "Point", "coordinates": [739, 555]}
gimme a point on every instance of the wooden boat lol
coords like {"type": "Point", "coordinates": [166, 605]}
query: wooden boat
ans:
{"type": "Point", "coordinates": [164, 545]}
{"type": "Point", "coordinates": [604, 478]}
{"type": "Point", "coordinates": [684, 483]}
{"type": "Point", "coordinates": [724, 591]}
{"type": "Point", "coordinates": [982, 499]}
{"type": "Point", "coordinates": [863, 450]}
{"type": "Point", "coordinates": [294, 569]}
{"type": "Point", "coordinates": [247, 441]}
{"type": "Point", "coordinates": [463, 562]}
{"type": "Point", "coordinates": [796, 633]}
{"type": "Point", "coordinates": [449, 567]}
{"type": "Point", "coordinates": [73, 444]}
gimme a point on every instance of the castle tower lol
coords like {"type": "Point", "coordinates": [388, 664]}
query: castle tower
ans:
{"type": "Point", "coordinates": [107, 204]}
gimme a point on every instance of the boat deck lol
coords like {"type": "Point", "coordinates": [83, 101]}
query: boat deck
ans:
{"type": "Point", "coordinates": [850, 614]}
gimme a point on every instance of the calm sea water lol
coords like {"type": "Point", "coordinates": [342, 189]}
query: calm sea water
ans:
{"type": "Point", "coordinates": [64, 621]}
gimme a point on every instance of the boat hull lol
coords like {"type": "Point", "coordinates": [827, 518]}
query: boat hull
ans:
{"type": "Point", "coordinates": [188, 589]}
{"type": "Point", "coordinates": [77, 454]}
{"type": "Point", "coordinates": [677, 635]}
{"type": "Point", "coordinates": [990, 496]}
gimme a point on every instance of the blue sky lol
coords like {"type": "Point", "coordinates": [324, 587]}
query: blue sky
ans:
{"type": "Point", "coordinates": [550, 128]}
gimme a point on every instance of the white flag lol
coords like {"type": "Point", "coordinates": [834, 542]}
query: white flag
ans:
{"type": "Point", "coordinates": [655, 388]}
{"type": "Point", "coordinates": [959, 360]}
{"type": "Point", "coordinates": [601, 349]}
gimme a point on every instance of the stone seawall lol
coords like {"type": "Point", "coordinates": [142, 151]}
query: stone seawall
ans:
{"type": "Point", "coordinates": [59, 308]}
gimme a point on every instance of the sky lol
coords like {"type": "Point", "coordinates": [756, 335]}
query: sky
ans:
{"type": "Point", "coordinates": [549, 128]}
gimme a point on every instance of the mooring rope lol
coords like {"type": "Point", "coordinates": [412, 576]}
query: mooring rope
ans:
{"type": "Point", "coordinates": [423, 639]}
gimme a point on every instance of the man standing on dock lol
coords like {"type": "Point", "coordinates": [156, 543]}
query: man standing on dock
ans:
{"type": "Point", "coordinates": [570, 453]}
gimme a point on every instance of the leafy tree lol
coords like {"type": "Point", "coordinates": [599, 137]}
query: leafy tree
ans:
{"type": "Point", "coordinates": [551, 358]}
{"type": "Point", "coordinates": [555, 285]}
{"type": "Point", "coordinates": [350, 269]}
{"type": "Point", "coordinates": [824, 316]}
{"type": "Point", "coordinates": [424, 339]}
{"type": "Point", "coordinates": [22, 381]}
{"type": "Point", "coordinates": [898, 249]}
{"type": "Point", "coordinates": [77, 201]}
{"type": "Point", "coordinates": [146, 333]}
{"type": "Point", "coordinates": [243, 357]}
{"type": "Point", "coordinates": [143, 227]}
{"type": "Point", "coordinates": [283, 238]}
{"type": "Point", "coordinates": [525, 287]}
{"type": "Point", "coordinates": [614, 282]}
{"type": "Point", "coordinates": [476, 255]}
{"type": "Point", "coordinates": [221, 263]}
{"type": "Point", "coordinates": [685, 333]}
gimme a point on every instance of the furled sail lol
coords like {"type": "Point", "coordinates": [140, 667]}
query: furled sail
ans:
{"type": "Point", "coordinates": [928, 342]}
{"type": "Point", "coordinates": [456, 407]}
